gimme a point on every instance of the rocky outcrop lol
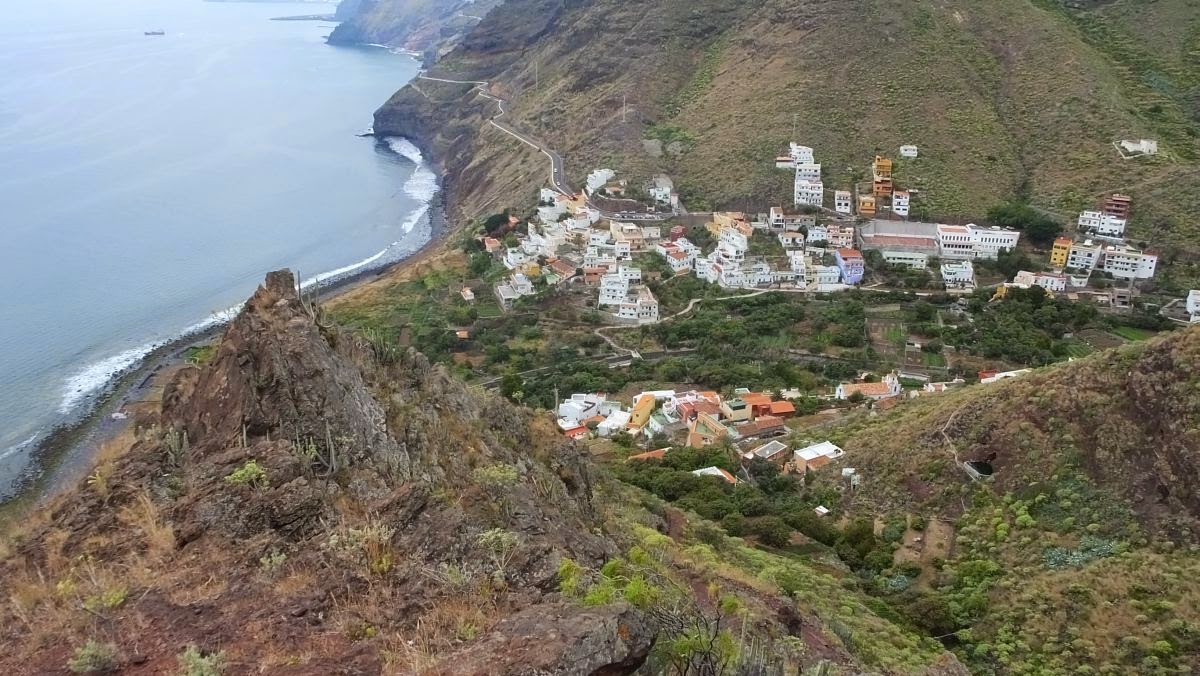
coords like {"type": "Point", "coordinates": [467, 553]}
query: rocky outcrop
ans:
{"type": "Point", "coordinates": [558, 640]}
{"type": "Point", "coordinates": [275, 374]}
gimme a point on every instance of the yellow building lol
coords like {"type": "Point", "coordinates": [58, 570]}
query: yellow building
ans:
{"type": "Point", "coordinates": [642, 408]}
{"type": "Point", "coordinates": [1059, 253]}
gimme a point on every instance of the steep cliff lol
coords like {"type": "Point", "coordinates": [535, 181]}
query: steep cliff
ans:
{"type": "Point", "coordinates": [1003, 98]}
{"type": "Point", "coordinates": [428, 27]}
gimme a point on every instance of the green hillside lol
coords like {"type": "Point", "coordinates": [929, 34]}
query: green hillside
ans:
{"type": "Point", "coordinates": [1079, 554]}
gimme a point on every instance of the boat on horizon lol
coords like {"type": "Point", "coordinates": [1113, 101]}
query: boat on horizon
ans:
{"type": "Point", "coordinates": [157, 32]}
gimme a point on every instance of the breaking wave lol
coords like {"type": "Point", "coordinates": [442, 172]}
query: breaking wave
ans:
{"type": "Point", "coordinates": [92, 379]}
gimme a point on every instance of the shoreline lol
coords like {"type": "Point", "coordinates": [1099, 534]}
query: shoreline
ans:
{"type": "Point", "coordinates": [65, 454]}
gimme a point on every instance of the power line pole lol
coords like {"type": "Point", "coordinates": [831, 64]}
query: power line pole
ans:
{"type": "Point", "coordinates": [795, 116]}
{"type": "Point", "coordinates": [624, 108]}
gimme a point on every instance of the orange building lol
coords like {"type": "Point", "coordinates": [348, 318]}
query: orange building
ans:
{"type": "Point", "coordinates": [866, 205]}
{"type": "Point", "coordinates": [1117, 206]}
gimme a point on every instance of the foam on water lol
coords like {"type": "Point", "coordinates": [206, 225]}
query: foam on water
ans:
{"type": "Point", "coordinates": [23, 445]}
{"type": "Point", "coordinates": [421, 186]}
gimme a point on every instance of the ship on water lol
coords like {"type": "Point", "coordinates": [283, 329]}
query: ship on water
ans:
{"type": "Point", "coordinates": [157, 32]}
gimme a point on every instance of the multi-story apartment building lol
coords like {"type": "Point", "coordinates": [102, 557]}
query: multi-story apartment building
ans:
{"type": "Point", "coordinates": [972, 241]}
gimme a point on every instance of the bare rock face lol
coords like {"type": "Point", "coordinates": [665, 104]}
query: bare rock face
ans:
{"type": "Point", "coordinates": [558, 639]}
{"type": "Point", "coordinates": [276, 375]}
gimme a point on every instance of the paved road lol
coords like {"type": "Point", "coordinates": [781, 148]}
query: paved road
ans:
{"type": "Point", "coordinates": [558, 179]}
{"type": "Point", "coordinates": [558, 175]}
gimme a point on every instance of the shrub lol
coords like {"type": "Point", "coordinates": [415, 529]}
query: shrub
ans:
{"type": "Point", "coordinates": [93, 657]}
{"type": "Point", "coordinates": [496, 476]}
{"type": "Point", "coordinates": [106, 600]}
{"type": "Point", "coordinates": [250, 474]}
{"type": "Point", "coordinates": [570, 577]}
{"type": "Point", "coordinates": [193, 662]}
{"type": "Point", "coordinates": [500, 546]}
{"type": "Point", "coordinates": [272, 561]}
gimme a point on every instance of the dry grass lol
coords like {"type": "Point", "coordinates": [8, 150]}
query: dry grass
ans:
{"type": "Point", "coordinates": [143, 516]}
{"type": "Point", "coordinates": [297, 581]}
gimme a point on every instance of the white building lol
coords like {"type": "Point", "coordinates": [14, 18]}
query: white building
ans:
{"type": "Point", "coordinates": [641, 309]}
{"type": "Point", "coordinates": [1102, 225]}
{"type": "Point", "coordinates": [598, 178]}
{"type": "Point", "coordinates": [827, 275]}
{"type": "Point", "coordinates": [716, 472]}
{"type": "Point", "coordinates": [908, 151]}
{"type": "Point", "coordinates": [732, 246]}
{"type": "Point", "coordinates": [800, 154]}
{"type": "Point", "coordinates": [971, 241]}
{"type": "Point", "coordinates": [781, 219]}
{"type": "Point", "coordinates": [614, 289]}
{"type": "Point", "coordinates": [810, 193]}
{"type": "Point", "coordinates": [1084, 255]}
{"type": "Point", "coordinates": [515, 287]}
{"type": "Point", "coordinates": [816, 455]}
{"type": "Point", "coordinates": [798, 263]}
{"type": "Point", "coordinates": [900, 202]}
{"type": "Point", "coordinates": [552, 205]}
{"type": "Point", "coordinates": [1143, 146]}
{"type": "Point", "coordinates": [843, 201]}
{"type": "Point", "coordinates": [616, 422]}
{"type": "Point", "coordinates": [809, 172]}
{"type": "Point", "coordinates": [1126, 262]}
{"type": "Point", "coordinates": [572, 412]}
{"type": "Point", "coordinates": [958, 274]}
{"type": "Point", "coordinates": [910, 259]}
{"type": "Point", "coordinates": [1003, 375]}
{"type": "Point", "coordinates": [515, 258]}
{"type": "Point", "coordinates": [1193, 305]}
{"type": "Point", "coordinates": [791, 240]}
{"type": "Point", "coordinates": [663, 191]}
{"type": "Point", "coordinates": [834, 235]}
{"type": "Point", "coordinates": [1048, 281]}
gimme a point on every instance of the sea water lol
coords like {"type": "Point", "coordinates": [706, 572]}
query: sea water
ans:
{"type": "Point", "coordinates": [147, 183]}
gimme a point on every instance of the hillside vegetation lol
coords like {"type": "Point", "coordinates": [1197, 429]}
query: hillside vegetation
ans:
{"type": "Point", "coordinates": [1004, 98]}
{"type": "Point", "coordinates": [1080, 554]}
{"type": "Point", "coordinates": [311, 502]}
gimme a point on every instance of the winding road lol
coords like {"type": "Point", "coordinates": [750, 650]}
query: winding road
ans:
{"type": "Point", "coordinates": [558, 179]}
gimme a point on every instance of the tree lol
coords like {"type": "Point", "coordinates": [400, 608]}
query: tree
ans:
{"type": "Point", "coordinates": [1039, 227]}
{"type": "Point", "coordinates": [771, 530]}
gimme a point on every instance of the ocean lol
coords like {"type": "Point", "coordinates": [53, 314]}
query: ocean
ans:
{"type": "Point", "coordinates": [147, 183]}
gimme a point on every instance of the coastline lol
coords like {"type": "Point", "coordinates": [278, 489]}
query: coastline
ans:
{"type": "Point", "coordinates": [65, 454]}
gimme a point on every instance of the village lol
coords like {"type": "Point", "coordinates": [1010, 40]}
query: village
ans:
{"type": "Point", "coordinates": [805, 247]}
{"type": "Point", "coordinates": [612, 244]}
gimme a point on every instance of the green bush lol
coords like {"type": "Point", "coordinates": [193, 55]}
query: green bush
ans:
{"type": "Point", "coordinates": [193, 662]}
{"type": "Point", "coordinates": [93, 657]}
{"type": "Point", "coordinates": [249, 474]}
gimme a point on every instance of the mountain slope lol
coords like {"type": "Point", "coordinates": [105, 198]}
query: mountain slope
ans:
{"type": "Point", "coordinates": [430, 27]}
{"type": "Point", "coordinates": [1003, 98]}
{"type": "Point", "coordinates": [1079, 554]}
{"type": "Point", "coordinates": [309, 502]}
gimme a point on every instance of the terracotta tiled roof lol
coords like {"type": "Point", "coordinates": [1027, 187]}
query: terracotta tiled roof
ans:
{"type": "Point", "coordinates": [867, 389]}
{"type": "Point", "coordinates": [650, 455]}
{"type": "Point", "coordinates": [782, 408]}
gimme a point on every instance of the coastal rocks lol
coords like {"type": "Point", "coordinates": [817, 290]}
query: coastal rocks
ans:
{"type": "Point", "coordinates": [559, 639]}
{"type": "Point", "coordinates": [276, 375]}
